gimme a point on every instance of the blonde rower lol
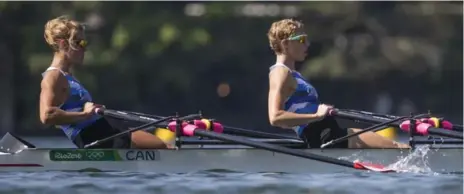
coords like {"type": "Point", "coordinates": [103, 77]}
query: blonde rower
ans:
{"type": "Point", "coordinates": [64, 101]}
{"type": "Point", "coordinates": [294, 102]}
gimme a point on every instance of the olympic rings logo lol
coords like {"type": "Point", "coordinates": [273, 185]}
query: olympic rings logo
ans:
{"type": "Point", "coordinates": [95, 155]}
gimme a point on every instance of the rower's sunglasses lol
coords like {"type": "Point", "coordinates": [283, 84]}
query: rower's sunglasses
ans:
{"type": "Point", "coordinates": [81, 43]}
{"type": "Point", "coordinates": [300, 38]}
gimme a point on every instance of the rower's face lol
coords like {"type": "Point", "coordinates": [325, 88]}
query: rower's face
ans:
{"type": "Point", "coordinates": [77, 52]}
{"type": "Point", "coordinates": [297, 46]}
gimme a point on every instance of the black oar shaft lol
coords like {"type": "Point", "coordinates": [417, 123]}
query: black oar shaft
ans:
{"type": "Point", "coordinates": [378, 119]}
{"type": "Point", "coordinates": [229, 129]}
{"type": "Point", "coordinates": [361, 117]}
{"type": "Point", "coordinates": [369, 113]}
{"type": "Point", "coordinates": [248, 132]}
{"type": "Point", "coordinates": [371, 128]}
{"type": "Point", "coordinates": [444, 132]}
{"type": "Point", "coordinates": [438, 141]}
{"type": "Point", "coordinates": [98, 142]}
{"type": "Point", "coordinates": [374, 117]}
{"type": "Point", "coordinates": [122, 115]}
{"type": "Point", "coordinates": [457, 127]}
{"type": "Point", "coordinates": [290, 143]}
{"type": "Point", "coordinates": [274, 148]}
{"type": "Point", "coordinates": [128, 116]}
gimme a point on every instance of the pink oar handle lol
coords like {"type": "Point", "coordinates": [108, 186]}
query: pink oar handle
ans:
{"type": "Point", "coordinates": [198, 124]}
{"type": "Point", "coordinates": [98, 110]}
{"type": "Point", "coordinates": [421, 128]}
{"type": "Point", "coordinates": [189, 129]}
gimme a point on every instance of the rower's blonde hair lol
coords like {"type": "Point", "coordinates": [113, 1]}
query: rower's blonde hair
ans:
{"type": "Point", "coordinates": [62, 28]}
{"type": "Point", "coordinates": [281, 30]}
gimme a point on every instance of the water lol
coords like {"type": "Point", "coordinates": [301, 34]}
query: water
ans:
{"type": "Point", "coordinates": [229, 182]}
{"type": "Point", "coordinates": [204, 182]}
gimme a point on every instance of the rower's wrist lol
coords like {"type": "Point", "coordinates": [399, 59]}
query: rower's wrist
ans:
{"type": "Point", "coordinates": [315, 116]}
{"type": "Point", "coordinates": [86, 114]}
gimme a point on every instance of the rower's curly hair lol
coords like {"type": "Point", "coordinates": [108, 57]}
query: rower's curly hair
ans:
{"type": "Point", "coordinates": [281, 30]}
{"type": "Point", "coordinates": [62, 28]}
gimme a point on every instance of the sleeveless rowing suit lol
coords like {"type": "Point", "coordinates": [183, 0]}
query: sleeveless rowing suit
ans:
{"type": "Point", "coordinates": [91, 129]}
{"type": "Point", "coordinates": [305, 100]}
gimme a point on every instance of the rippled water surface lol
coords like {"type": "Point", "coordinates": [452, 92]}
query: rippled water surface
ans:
{"type": "Point", "coordinates": [229, 182]}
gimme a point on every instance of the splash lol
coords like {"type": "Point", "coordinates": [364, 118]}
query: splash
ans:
{"type": "Point", "coordinates": [415, 162]}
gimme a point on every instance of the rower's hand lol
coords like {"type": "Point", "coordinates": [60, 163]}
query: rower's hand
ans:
{"type": "Point", "coordinates": [323, 110]}
{"type": "Point", "coordinates": [89, 108]}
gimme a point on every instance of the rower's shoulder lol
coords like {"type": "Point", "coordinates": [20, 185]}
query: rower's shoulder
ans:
{"type": "Point", "coordinates": [279, 72]}
{"type": "Point", "coordinates": [53, 78]}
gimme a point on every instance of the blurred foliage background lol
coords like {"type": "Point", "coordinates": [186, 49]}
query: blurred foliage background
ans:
{"type": "Point", "coordinates": [167, 57]}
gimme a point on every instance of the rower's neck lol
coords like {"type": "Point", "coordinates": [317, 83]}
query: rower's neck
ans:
{"type": "Point", "coordinates": [284, 59]}
{"type": "Point", "coordinates": [60, 62]}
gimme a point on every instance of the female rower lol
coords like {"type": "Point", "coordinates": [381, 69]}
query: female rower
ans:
{"type": "Point", "coordinates": [294, 103]}
{"type": "Point", "coordinates": [65, 103]}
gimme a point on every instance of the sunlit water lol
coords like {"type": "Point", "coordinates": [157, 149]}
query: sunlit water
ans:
{"type": "Point", "coordinates": [415, 178]}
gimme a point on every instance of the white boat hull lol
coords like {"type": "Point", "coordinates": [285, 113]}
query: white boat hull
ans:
{"type": "Point", "coordinates": [443, 160]}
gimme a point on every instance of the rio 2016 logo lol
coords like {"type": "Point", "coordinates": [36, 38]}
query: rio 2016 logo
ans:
{"type": "Point", "coordinates": [95, 155]}
{"type": "Point", "coordinates": [81, 155]}
{"type": "Point", "coordinates": [67, 156]}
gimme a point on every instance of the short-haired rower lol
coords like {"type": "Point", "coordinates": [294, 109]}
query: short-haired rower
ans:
{"type": "Point", "coordinates": [294, 103]}
{"type": "Point", "coordinates": [64, 101]}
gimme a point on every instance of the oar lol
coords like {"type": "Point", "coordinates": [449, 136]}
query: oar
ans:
{"type": "Point", "coordinates": [232, 130]}
{"type": "Point", "coordinates": [422, 128]}
{"type": "Point", "coordinates": [372, 118]}
{"type": "Point", "coordinates": [289, 143]}
{"type": "Point", "coordinates": [238, 131]}
{"type": "Point", "coordinates": [444, 132]}
{"type": "Point", "coordinates": [426, 129]}
{"type": "Point", "coordinates": [457, 127]}
{"type": "Point", "coordinates": [368, 113]}
{"type": "Point", "coordinates": [371, 128]}
{"type": "Point", "coordinates": [443, 123]}
{"type": "Point", "coordinates": [192, 130]}
{"type": "Point", "coordinates": [124, 115]}
{"type": "Point", "coordinates": [439, 142]}
{"type": "Point", "coordinates": [144, 126]}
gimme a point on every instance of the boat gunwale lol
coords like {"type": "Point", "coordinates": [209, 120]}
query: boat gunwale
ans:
{"type": "Point", "coordinates": [235, 148]}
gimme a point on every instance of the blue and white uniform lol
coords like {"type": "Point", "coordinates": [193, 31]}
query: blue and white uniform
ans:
{"type": "Point", "coordinates": [78, 96]}
{"type": "Point", "coordinates": [304, 99]}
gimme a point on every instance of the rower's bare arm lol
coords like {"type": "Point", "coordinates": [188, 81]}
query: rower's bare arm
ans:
{"type": "Point", "coordinates": [54, 91]}
{"type": "Point", "coordinates": [280, 80]}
